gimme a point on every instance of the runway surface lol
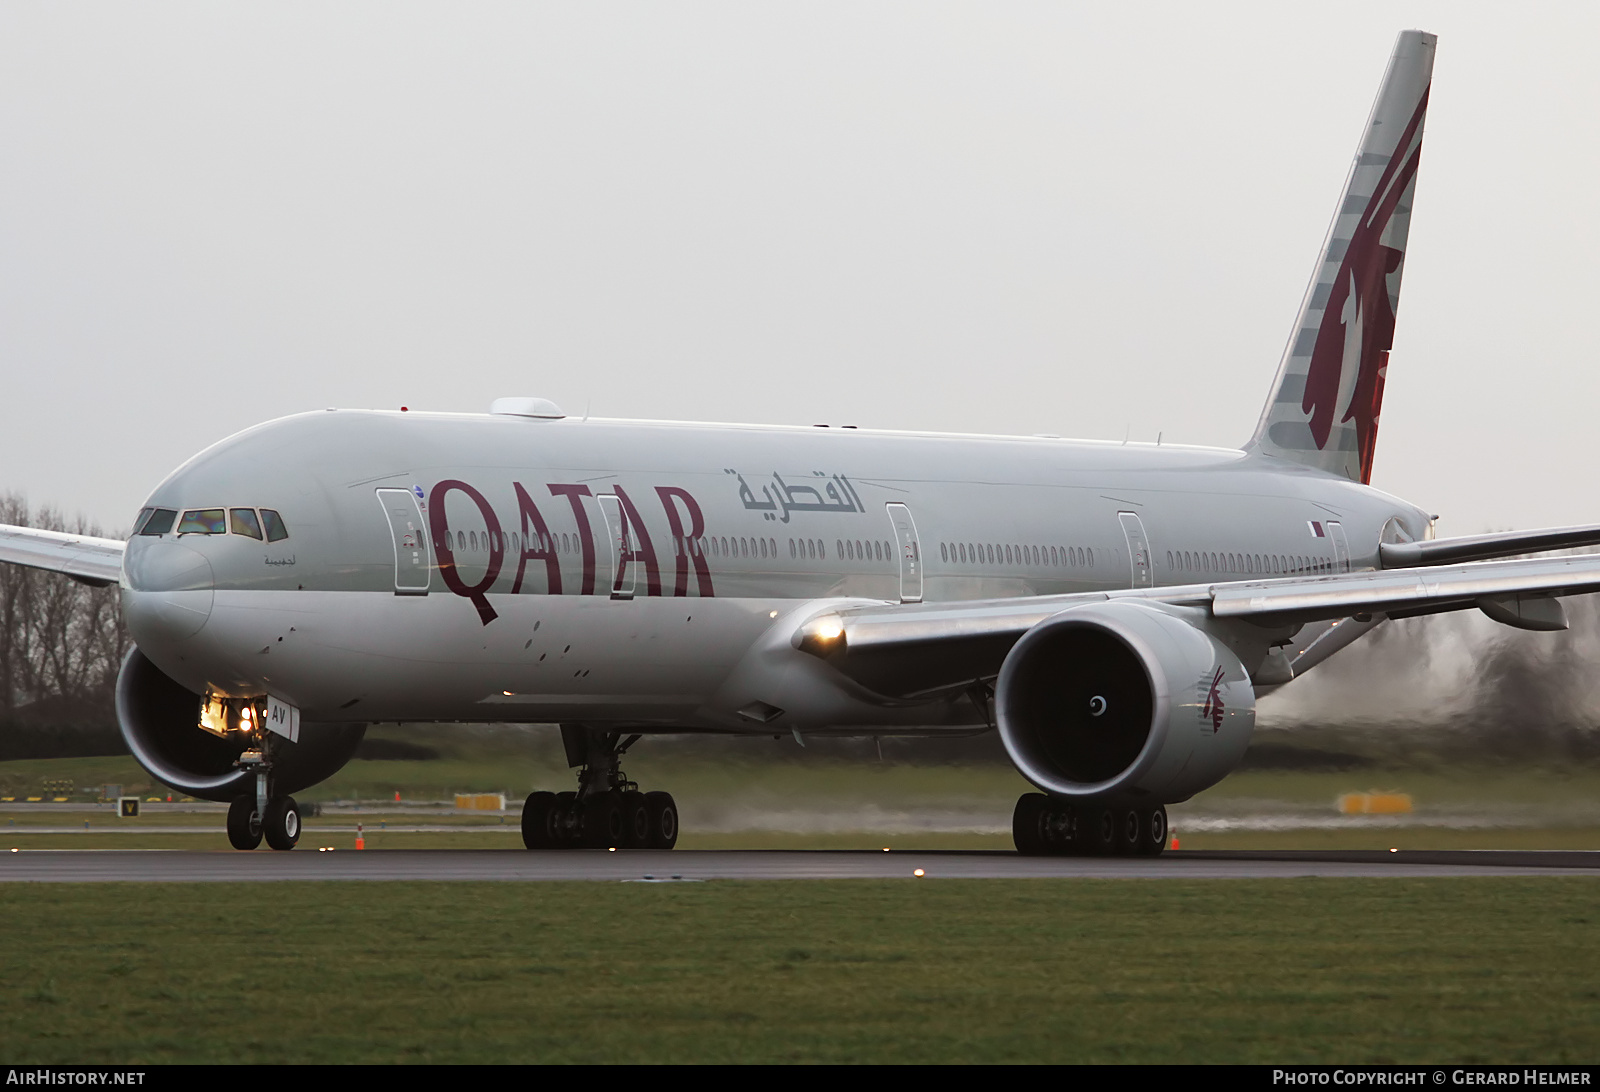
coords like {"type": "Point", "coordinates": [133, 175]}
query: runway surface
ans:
{"type": "Point", "coordinates": [185, 866]}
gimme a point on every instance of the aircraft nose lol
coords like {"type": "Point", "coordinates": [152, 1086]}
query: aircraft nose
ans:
{"type": "Point", "coordinates": [169, 592]}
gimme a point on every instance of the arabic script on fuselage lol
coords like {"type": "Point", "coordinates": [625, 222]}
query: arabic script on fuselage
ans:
{"type": "Point", "coordinates": [820, 492]}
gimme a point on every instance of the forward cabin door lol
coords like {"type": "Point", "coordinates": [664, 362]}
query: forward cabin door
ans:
{"type": "Point", "coordinates": [1143, 574]}
{"type": "Point", "coordinates": [905, 541]}
{"type": "Point", "coordinates": [412, 565]}
{"type": "Point", "coordinates": [618, 535]}
{"type": "Point", "coordinates": [1341, 548]}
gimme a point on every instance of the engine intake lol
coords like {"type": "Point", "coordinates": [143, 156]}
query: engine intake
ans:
{"type": "Point", "coordinates": [1124, 699]}
{"type": "Point", "coordinates": [160, 722]}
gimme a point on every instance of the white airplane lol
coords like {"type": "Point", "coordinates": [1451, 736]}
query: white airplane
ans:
{"type": "Point", "coordinates": [1113, 610]}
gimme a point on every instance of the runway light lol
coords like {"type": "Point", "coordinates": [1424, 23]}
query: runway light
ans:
{"type": "Point", "coordinates": [1392, 849]}
{"type": "Point", "coordinates": [772, 614]}
{"type": "Point", "coordinates": [918, 873]}
{"type": "Point", "coordinates": [886, 849]}
{"type": "Point", "coordinates": [611, 849]}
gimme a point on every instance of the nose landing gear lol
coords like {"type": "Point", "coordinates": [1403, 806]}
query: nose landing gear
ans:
{"type": "Point", "coordinates": [254, 816]}
{"type": "Point", "coordinates": [1051, 826]}
{"type": "Point", "coordinates": [608, 810]}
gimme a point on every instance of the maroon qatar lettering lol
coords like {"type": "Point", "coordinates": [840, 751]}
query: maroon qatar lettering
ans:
{"type": "Point", "coordinates": [685, 524]}
{"type": "Point", "coordinates": [686, 540]}
{"type": "Point", "coordinates": [575, 495]}
{"type": "Point", "coordinates": [439, 524]}
{"type": "Point", "coordinates": [644, 551]}
{"type": "Point", "coordinates": [537, 544]}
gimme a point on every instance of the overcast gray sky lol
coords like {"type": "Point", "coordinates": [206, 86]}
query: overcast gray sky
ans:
{"type": "Point", "coordinates": [1088, 219]}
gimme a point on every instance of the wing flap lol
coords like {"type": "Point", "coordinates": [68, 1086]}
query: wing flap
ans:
{"type": "Point", "coordinates": [96, 561]}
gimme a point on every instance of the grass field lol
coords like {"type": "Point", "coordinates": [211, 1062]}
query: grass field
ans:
{"type": "Point", "coordinates": [1492, 970]}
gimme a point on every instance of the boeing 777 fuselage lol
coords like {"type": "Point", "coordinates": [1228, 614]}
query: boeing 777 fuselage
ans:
{"type": "Point", "coordinates": [467, 567]}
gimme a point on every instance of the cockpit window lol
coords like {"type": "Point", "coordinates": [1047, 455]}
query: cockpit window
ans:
{"type": "Point", "coordinates": [276, 531]}
{"type": "Point", "coordinates": [201, 521]}
{"type": "Point", "coordinates": [159, 522]}
{"type": "Point", "coordinates": [243, 521]}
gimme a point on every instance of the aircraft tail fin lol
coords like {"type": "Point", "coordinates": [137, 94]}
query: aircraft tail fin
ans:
{"type": "Point", "coordinates": [1323, 409]}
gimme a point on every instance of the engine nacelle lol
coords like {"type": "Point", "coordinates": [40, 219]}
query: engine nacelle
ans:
{"type": "Point", "coordinates": [160, 722]}
{"type": "Point", "coordinates": [1125, 699]}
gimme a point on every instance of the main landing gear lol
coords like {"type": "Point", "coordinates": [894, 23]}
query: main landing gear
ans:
{"type": "Point", "coordinates": [608, 811]}
{"type": "Point", "coordinates": [253, 816]}
{"type": "Point", "coordinates": [1054, 826]}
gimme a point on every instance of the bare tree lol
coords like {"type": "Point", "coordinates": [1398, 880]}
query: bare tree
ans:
{"type": "Point", "coordinates": [61, 641]}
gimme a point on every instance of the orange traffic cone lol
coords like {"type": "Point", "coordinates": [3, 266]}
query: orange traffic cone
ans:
{"type": "Point", "coordinates": [397, 796]}
{"type": "Point", "coordinates": [361, 843]}
{"type": "Point", "coordinates": [1174, 841]}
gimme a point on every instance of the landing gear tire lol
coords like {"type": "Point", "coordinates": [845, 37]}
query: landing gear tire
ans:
{"type": "Point", "coordinates": [602, 821]}
{"type": "Point", "coordinates": [1131, 826]}
{"type": "Point", "coordinates": [1029, 829]}
{"type": "Point", "coordinates": [1153, 838]}
{"type": "Point", "coordinates": [635, 820]}
{"type": "Point", "coordinates": [244, 825]}
{"type": "Point", "coordinates": [539, 830]}
{"type": "Point", "coordinates": [663, 816]}
{"type": "Point", "coordinates": [567, 822]}
{"type": "Point", "coordinates": [282, 823]}
{"type": "Point", "coordinates": [1099, 830]}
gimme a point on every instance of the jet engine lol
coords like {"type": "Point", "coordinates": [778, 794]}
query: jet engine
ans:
{"type": "Point", "coordinates": [1124, 699]}
{"type": "Point", "coordinates": [160, 722]}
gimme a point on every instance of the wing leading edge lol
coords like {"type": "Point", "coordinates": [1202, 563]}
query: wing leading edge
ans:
{"type": "Point", "coordinates": [912, 650]}
{"type": "Point", "coordinates": [93, 561]}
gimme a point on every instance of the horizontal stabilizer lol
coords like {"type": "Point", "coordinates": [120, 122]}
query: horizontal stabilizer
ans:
{"type": "Point", "coordinates": [1449, 551]}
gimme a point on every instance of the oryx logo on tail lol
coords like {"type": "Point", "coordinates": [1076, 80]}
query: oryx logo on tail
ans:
{"type": "Point", "coordinates": [1323, 410]}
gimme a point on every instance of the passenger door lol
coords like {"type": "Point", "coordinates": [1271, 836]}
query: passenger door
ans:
{"type": "Point", "coordinates": [621, 540]}
{"type": "Point", "coordinates": [906, 545]}
{"type": "Point", "coordinates": [1143, 571]}
{"type": "Point", "coordinates": [412, 566]}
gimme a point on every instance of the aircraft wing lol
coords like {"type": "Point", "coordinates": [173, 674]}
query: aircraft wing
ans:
{"type": "Point", "coordinates": [94, 561]}
{"type": "Point", "coordinates": [911, 650]}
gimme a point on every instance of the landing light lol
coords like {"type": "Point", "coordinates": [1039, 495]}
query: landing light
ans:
{"type": "Point", "coordinates": [822, 636]}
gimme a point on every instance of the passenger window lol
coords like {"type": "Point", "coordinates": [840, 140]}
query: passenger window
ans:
{"type": "Point", "coordinates": [159, 522]}
{"type": "Point", "coordinates": [202, 521]}
{"type": "Point", "coordinates": [242, 521]}
{"type": "Point", "coordinates": [276, 531]}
